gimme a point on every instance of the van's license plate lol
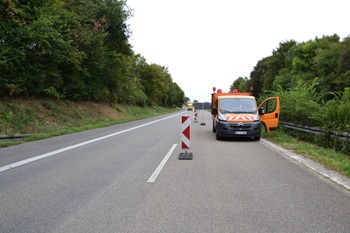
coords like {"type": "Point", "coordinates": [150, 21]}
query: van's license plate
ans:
{"type": "Point", "coordinates": [241, 132]}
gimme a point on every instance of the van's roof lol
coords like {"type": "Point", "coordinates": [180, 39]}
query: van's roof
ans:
{"type": "Point", "coordinates": [236, 97]}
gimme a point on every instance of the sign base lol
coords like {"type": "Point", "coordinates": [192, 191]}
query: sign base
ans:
{"type": "Point", "coordinates": [187, 156]}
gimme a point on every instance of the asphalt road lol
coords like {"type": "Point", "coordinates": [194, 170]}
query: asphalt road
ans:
{"type": "Point", "coordinates": [238, 185]}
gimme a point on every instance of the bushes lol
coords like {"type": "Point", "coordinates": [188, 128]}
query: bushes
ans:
{"type": "Point", "coordinates": [303, 105]}
{"type": "Point", "coordinates": [336, 112]}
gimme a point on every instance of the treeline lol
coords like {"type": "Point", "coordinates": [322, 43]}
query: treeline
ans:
{"type": "Point", "coordinates": [312, 80]}
{"type": "Point", "coordinates": [77, 50]}
{"type": "Point", "coordinates": [326, 58]}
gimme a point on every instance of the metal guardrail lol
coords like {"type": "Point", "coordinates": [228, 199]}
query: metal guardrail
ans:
{"type": "Point", "coordinates": [15, 137]}
{"type": "Point", "coordinates": [340, 135]}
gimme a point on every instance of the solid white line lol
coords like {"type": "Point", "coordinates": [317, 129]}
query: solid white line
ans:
{"type": "Point", "coordinates": [161, 165]}
{"type": "Point", "coordinates": [33, 159]}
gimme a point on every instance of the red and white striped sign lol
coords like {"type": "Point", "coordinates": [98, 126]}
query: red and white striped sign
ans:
{"type": "Point", "coordinates": [195, 115]}
{"type": "Point", "coordinates": [239, 118]}
{"type": "Point", "coordinates": [186, 124]}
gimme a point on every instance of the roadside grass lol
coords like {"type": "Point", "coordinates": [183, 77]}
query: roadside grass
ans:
{"type": "Point", "coordinates": [49, 118]}
{"type": "Point", "coordinates": [10, 143]}
{"type": "Point", "coordinates": [327, 157]}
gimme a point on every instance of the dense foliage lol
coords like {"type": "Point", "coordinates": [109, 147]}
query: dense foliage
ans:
{"type": "Point", "coordinates": [312, 80]}
{"type": "Point", "coordinates": [326, 58]}
{"type": "Point", "coordinates": [78, 50]}
{"type": "Point", "coordinates": [303, 105]}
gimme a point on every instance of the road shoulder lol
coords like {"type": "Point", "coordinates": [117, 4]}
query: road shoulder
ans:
{"type": "Point", "coordinates": [333, 176]}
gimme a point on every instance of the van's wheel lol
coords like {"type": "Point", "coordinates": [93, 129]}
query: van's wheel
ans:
{"type": "Point", "coordinates": [217, 135]}
{"type": "Point", "coordinates": [257, 138]}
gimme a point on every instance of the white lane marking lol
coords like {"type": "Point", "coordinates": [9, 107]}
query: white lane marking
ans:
{"type": "Point", "coordinates": [33, 159]}
{"type": "Point", "coordinates": [161, 165]}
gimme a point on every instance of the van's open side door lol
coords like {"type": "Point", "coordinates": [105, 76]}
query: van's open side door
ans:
{"type": "Point", "coordinates": [271, 113]}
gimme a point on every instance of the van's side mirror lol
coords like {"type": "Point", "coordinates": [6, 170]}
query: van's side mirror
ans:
{"type": "Point", "coordinates": [261, 111]}
{"type": "Point", "coordinates": [214, 111]}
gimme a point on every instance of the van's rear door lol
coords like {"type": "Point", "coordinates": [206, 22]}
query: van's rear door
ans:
{"type": "Point", "coordinates": [272, 112]}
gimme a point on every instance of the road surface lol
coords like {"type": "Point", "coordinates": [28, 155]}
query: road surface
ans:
{"type": "Point", "coordinates": [128, 178]}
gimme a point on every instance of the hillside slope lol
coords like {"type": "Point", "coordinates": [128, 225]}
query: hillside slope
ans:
{"type": "Point", "coordinates": [43, 116]}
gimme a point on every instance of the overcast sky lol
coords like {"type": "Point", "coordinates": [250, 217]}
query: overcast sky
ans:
{"type": "Point", "coordinates": [211, 43]}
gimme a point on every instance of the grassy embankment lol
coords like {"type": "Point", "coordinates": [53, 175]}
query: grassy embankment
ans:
{"type": "Point", "coordinates": [49, 118]}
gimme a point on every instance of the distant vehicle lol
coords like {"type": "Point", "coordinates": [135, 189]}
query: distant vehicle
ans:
{"type": "Point", "coordinates": [236, 115]}
{"type": "Point", "coordinates": [189, 107]}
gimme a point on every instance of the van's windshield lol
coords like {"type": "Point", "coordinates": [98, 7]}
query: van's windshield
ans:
{"type": "Point", "coordinates": [237, 105]}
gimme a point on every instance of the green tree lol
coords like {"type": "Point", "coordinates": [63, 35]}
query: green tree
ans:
{"type": "Point", "coordinates": [32, 44]}
{"type": "Point", "coordinates": [304, 66]}
{"type": "Point", "coordinates": [276, 63]}
{"type": "Point", "coordinates": [115, 13]}
{"type": "Point", "coordinates": [180, 96]}
{"type": "Point", "coordinates": [283, 79]}
{"type": "Point", "coordinates": [343, 80]}
{"type": "Point", "coordinates": [77, 49]}
{"type": "Point", "coordinates": [326, 62]}
{"type": "Point", "coordinates": [240, 84]}
{"type": "Point", "coordinates": [256, 77]}
{"type": "Point", "coordinates": [153, 81]}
